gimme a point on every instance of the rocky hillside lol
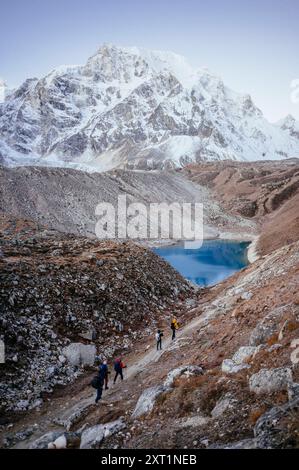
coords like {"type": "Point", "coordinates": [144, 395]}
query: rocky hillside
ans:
{"type": "Point", "coordinates": [266, 192]}
{"type": "Point", "coordinates": [129, 107]}
{"type": "Point", "coordinates": [230, 380]}
{"type": "Point", "coordinates": [64, 299]}
{"type": "Point", "coordinates": [246, 394]}
{"type": "Point", "coordinates": [66, 199]}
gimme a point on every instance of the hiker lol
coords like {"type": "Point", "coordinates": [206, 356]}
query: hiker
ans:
{"type": "Point", "coordinates": [159, 336]}
{"type": "Point", "coordinates": [174, 326]}
{"type": "Point", "coordinates": [118, 367]}
{"type": "Point", "coordinates": [99, 383]}
{"type": "Point", "coordinates": [104, 373]}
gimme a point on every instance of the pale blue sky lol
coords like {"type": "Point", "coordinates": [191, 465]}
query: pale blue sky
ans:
{"type": "Point", "coordinates": [251, 44]}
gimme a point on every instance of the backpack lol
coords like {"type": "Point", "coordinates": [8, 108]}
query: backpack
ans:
{"type": "Point", "coordinates": [96, 382]}
{"type": "Point", "coordinates": [117, 366]}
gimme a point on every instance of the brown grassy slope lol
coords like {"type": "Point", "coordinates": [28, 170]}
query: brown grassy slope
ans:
{"type": "Point", "coordinates": [267, 192]}
{"type": "Point", "coordinates": [281, 228]}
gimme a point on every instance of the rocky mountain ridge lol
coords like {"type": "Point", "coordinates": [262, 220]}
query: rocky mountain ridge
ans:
{"type": "Point", "coordinates": [135, 108]}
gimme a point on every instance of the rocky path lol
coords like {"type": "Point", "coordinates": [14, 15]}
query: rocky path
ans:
{"type": "Point", "coordinates": [70, 412]}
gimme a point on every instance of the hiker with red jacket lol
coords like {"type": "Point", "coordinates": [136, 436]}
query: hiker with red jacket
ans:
{"type": "Point", "coordinates": [118, 367]}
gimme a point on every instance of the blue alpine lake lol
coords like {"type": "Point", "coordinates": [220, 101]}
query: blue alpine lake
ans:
{"type": "Point", "coordinates": [215, 261]}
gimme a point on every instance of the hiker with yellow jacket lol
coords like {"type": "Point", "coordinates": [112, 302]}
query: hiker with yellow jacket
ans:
{"type": "Point", "coordinates": [174, 327]}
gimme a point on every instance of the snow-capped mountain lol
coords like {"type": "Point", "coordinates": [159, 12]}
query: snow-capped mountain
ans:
{"type": "Point", "coordinates": [3, 90]}
{"type": "Point", "coordinates": [129, 107]}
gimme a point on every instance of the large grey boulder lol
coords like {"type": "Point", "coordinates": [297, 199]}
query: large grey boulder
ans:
{"type": "Point", "coordinates": [222, 405]}
{"type": "Point", "coordinates": [147, 400]}
{"type": "Point", "coordinates": [68, 440]}
{"type": "Point", "coordinates": [267, 328]}
{"type": "Point", "coordinates": [69, 420]}
{"type": "Point", "coordinates": [230, 367]}
{"type": "Point", "coordinates": [79, 354]}
{"type": "Point", "coordinates": [244, 354]}
{"type": "Point", "coordinates": [239, 360]}
{"type": "Point", "coordinates": [183, 370]}
{"type": "Point", "coordinates": [270, 380]}
{"type": "Point", "coordinates": [43, 441]}
{"type": "Point", "coordinates": [92, 437]}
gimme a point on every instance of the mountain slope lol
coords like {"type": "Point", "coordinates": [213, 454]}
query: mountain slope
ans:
{"type": "Point", "coordinates": [129, 107]}
{"type": "Point", "coordinates": [66, 199]}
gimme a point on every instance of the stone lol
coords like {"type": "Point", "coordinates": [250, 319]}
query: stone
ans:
{"type": "Point", "coordinates": [147, 400]}
{"type": "Point", "coordinates": [244, 354]}
{"type": "Point", "coordinates": [267, 328]}
{"type": "Point", "coordinates": [22, 405]}
{"type": "Point", "coordinates": [79, 354]}
{"type": "Point", "coordinates": [70, 420]}
{"type": "Point", "coordinates": [194, 421]}
{"type": "Point", "coordinates": [186, 370]}
{"type": "Point", "coordinates": [43, 441]}
{"type": "Point", "coordinates": [89, 335]}
{"type": "Point", "coordinates": [270, 380]}
{"type": "Point", "coordinates": [222, 405]}
{"type": "Point", "coordinates": [246, 296]}
{"type": "Point", "coordinates": [230, 367]}
{"type": "Point", "coordinates": [92, 438]}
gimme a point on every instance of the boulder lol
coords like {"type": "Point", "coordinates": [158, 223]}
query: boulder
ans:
{"type": "Point", "coordinates": [71, 419]}
{"type": "Point", "coordinates": [230, 367]}
{"type": "Point", "coordinates": [147, 400]}
{"type": "Point", "coordinates": [68, 440]}
{"type": "Point", "coordinates": [89, 335]}
{"type": "Point", "coordinates": [222, 405]}
{"type": "Point", "coordinates": [79, 354]}
{"type": "Point", "coordinates": [244, 354]}
{"type": "Point", "coordinates": [267, 328]}
{"type": "Point", "coordinates": [186, 370]}
{"type": "Point", "coordinates": [43, 441]}
{"type": "Point", "coordinates": [270, 380]}
{"type": "Point", "coordinates": [92, 437]}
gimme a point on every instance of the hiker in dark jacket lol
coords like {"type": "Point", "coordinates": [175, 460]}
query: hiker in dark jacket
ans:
{"type": "Point", "coordinates": [105, 374]}
{"type": "Point", "coordinates": [100, 383]}
{"type": "Point", "coordinates": [118, 367]}
{"type": "Point", "coordinates": [159, 336]}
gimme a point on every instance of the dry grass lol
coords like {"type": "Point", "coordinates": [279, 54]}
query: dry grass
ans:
{"type": "Point", "coordinates": [256, 413]}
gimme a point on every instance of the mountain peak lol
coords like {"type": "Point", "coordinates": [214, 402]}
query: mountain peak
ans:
{"type": "Point", "coordinates": [137, 108]}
